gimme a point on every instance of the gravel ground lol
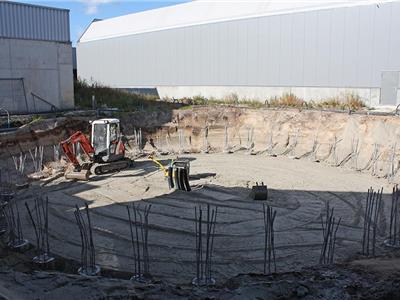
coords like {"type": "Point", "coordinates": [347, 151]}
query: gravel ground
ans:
{"type": "Point", "coordinates": [298, 190]}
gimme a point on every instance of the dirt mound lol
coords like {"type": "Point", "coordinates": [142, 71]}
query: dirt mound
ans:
{"type": "Point", "coordinates": [334, 282]}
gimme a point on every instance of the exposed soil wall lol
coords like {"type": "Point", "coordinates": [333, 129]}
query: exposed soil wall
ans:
{"type": "Point", "coordinates": [362, 142]}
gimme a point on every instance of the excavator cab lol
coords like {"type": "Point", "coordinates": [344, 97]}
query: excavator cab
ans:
{"type": "Point", "coordinates": [106, 140]}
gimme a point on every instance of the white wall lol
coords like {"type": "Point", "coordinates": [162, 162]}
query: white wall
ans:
{"type": "Point", "coordinates": [336, 48]}
{"type": "Point", "coordinates": [47, 71]}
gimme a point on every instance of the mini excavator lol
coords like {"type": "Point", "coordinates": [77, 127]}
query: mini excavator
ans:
{"type": "Point", "coordinates": [106, 150]}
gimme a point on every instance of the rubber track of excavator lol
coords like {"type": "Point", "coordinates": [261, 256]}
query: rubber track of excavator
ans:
{"type": "Point", "coordinates": [112, 167]}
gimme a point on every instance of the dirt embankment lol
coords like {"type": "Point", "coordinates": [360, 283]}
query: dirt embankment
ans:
{"type": "Point", "coordinates": [333, 283]}
{"type": "Point", "coordinates": [46, 132]}
{"type": "Point", "coordinates": [361, 142]}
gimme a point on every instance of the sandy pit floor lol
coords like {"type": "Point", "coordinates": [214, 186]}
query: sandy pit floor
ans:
{"type": "Point", "coordinates": [298, 190]}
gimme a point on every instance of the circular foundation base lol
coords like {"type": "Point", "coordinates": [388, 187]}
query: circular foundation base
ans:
{"type": "Point", "coordinates": [203, 282]}
{"type": "Point", "coordinates": [390, 243]}
{"type": "Point", "coordinates": [141, 278]}
{"type": "Point", "coordinates": [89, 271]}
{"type": "Point", "coordinates": [19, 244]}
{"type": "Point", "coordinates": [43, 259]}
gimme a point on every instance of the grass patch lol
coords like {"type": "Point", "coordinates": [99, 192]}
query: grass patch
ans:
{"type": "Point", "coordinates": [286, 100]}
{"type": "Point", "coordinates": [230, 100]}
{"type": "Point", "coordinates": [107, 97]}
{"type": "Point", "coordinates": [348, 102]}
{"type": "Point", "coordinates": [125, 101]}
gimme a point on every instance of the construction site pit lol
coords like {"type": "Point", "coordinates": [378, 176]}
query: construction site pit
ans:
{"type": "Point", "coordinates": [299, 190]}
{"type": "Point", "coordinates": [307, 159]}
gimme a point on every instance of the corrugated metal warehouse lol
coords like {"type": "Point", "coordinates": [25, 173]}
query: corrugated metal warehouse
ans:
{"type": "Point", "coordinates": [254, 49]}
{"type": "Point", "coordinates": [35, 58]}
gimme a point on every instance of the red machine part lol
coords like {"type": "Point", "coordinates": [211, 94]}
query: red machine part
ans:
{"type": "Point", "coordinates": [67, 146]}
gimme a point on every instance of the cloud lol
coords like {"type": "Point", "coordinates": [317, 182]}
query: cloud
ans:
{"type": "Point", "coordinates": [92, 6]}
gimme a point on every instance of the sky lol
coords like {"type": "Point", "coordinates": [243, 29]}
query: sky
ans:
{"type": "Point", "coordinates": [82, 12]}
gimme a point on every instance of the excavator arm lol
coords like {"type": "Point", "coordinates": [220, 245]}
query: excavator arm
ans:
{"type": "Point", "coordinates": [67, 146]}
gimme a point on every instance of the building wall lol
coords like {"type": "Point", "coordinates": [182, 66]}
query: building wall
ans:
{"type": "Point", "coordinates": [46, 69]}
{"type": "Point", "coordinates": [324, 50]}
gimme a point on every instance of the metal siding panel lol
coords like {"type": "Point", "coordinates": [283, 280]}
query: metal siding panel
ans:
{"type": "Point", "coordinates": [210, 70]}
{"type": "Point", "coordinates": [323, 48]}
{"type": "Point", "coordinates": [285, 53]}
{"type": "Point", "coordinates": [217, 64]}
{"type": "Point", "coordinates": [296, 70]}
{"type": "Point", "coordinates": [223, 55]}
{"type": "Point", "coordinates": [205, 54]}
{"type": "Point", "coordinates": [241, 54]}
{"type": "Point", "coordinates": [220, 55]}
{"type": "Point", "coordinates": [186, 47]}
{"type": "Point", "coordinates": [2, 19]}
{"type": "Point", "coordinates": [319, 48]}
{"type": "Point", "coordinates": [142, 59]}
{"type": "Point", "coordinates": [123, 50]}
{"type": "Point", "coordinates": [310, 50]}
{"type": "Point", "coordinates": [196, 42]}
{"type": "Point", "coordinates": [32, 22]}
{"type": "Point", "coordinates": [365, 41]}
{"type": "Point", "coordinates": [264, 50]}
{"type": "Point", "coordinates": [336, 62]}
{"type": "Point", "coordinates": [381, 42]}
{"type": "Point", "coordinates": [173, 57]}
{"type": "Point", "coordinates": [273, 59]}
{"type": "Point", "coordinates": [179, 41]}
{"type": "Point", "coordinates": [394, 45]}
{"type": "Point", "coordinates": [252, 51]}
{"type": "Point", "coordinates": [230, 52]}
{"type": "Point", "coordinates": [155, 52]}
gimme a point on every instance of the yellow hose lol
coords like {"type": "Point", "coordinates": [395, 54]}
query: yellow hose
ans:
{"type": "Point", "coordinates": [160, 165]}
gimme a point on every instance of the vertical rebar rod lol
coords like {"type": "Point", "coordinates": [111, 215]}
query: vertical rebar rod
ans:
{"type": "Point", "coordinates": [132, 240]}
{"type": "Point", "coordinates": [34, 227]}
{"type": "Point", "coordinates": [197, 244]}
{"type": "Point", "coordinates": [137, 240]}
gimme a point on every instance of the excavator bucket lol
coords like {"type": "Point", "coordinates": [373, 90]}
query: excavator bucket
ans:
{"type": "Point", "coordinates": [83, 174]}
{"type": "Point", "coordinates": [259, 192]}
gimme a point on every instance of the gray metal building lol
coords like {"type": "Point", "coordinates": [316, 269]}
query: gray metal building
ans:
{"type": "Point", "coordinates": [35, 58]}
{"type": "Point", "coordinates": [257, 50]}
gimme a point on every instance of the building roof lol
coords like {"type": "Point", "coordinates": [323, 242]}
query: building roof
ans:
{"type": "Point", "coordinates": [202, 12]}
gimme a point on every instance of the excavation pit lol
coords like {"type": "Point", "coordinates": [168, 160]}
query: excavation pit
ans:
{"type": "Point", "coordinates": [297, 189]}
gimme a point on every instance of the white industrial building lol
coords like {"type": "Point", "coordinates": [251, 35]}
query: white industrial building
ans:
{"type": "Point", "coordinates": [35, 58]}
{"type": "Point", "coordinates": [256, 49]}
